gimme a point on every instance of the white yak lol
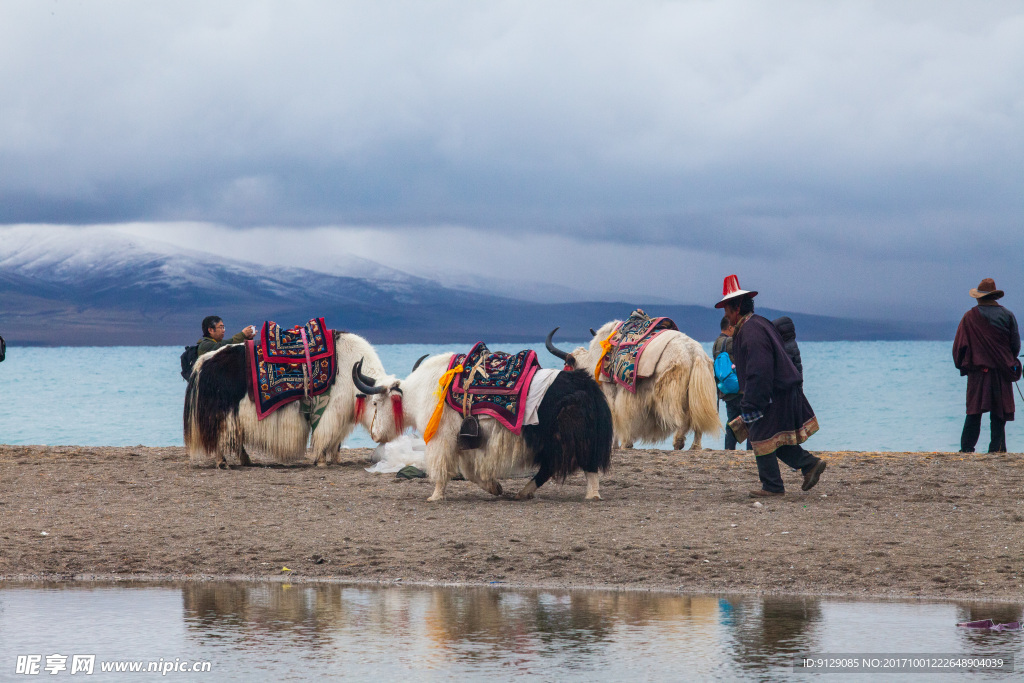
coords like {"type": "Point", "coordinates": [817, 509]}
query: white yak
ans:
{"type": "Point", "coordinates": [220, 418]}
{"type": "Point", "coordinates": [574, 432]}
{"type": "Point", "coordinates": [675, 389]}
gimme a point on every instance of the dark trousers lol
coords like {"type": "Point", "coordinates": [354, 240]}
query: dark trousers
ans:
{"type": "Point", "coordinates": [732, 411]}
{"type": "Point", "coordinates": [768, 465]}
{"type": "Point", "coordinates": [972, 431]}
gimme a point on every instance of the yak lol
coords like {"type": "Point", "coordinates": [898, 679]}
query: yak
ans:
{"type": "Point", "coordinates": [574, 432]}
{"type": "Point", "coordinates": [220, 417]}
{"type": "Point", "coordinates": [678, 397]}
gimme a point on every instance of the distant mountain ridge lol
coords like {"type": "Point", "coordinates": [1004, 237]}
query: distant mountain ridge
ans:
{"type": "Point", "coordinates": [77, 287]}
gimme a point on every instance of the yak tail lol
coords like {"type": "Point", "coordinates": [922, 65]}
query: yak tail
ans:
{"type": "Point", "coordinates": [216, 386]}
{"type": "Point", "coordinates": [189, 416]}
{"type": "Point", "coordinates": [703, 397]}
{"type": "Point", "coordinates": [584, 428]}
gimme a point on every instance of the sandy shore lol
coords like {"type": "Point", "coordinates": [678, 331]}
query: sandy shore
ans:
{"type": "Point", "coordinates": [879, 524]}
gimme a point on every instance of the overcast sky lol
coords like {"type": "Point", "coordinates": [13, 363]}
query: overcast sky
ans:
{"type": "Point", "coordinates": [855, 158]}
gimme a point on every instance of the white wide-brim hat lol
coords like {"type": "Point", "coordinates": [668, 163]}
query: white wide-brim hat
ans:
{"type": "Point", "coordinates": [731, 290]}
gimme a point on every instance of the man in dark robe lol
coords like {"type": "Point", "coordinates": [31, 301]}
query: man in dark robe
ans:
{"type": "Point", "coordinates": [985, 349]}
{"type": "Point", "coordinates": [774, 412]}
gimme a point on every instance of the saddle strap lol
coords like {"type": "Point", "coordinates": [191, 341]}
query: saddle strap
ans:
{"type": "Point", "coordinates": [477, 369]}
{"type": "Point", "coordinates": [305, 347]}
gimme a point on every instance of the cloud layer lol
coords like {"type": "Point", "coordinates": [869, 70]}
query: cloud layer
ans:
{"type": "Point", "coordinates": [853, 149]}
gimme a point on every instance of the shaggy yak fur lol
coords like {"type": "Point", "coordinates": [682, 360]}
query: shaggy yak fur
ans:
{"type": "Point", "coordinates": [220, 418]}
{"type": "Point", "coordinates": [575, 433]}
{"type": "Point", "coordinates": [679, 397]}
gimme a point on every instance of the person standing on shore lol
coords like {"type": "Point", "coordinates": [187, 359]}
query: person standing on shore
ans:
{"type": "Point", "coordinates": [774, 412]}
{"type": "Point", "coordinates": [787, 330]}
{"type": "Point", "coordinates": [985, 349]}
{"type": "Point", "coordinates": [213, 335]}
{"type": "Point", "coordinates": [732, 401]}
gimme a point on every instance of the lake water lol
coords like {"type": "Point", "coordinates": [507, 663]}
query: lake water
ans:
{"type": "Point", "coordinates": [275, 631]}
{"type": "Point", "coordinates": [869, 396]}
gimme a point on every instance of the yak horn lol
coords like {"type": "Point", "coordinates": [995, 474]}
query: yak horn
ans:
{"type": "Point", "coordinates": [592, 333]}
{"type": "Point", "coordinates": [360, 380]}
{"type": "Point", "coordinates": [417, 363]}
{"type": "Point", "coordinates": [555, 351]}
{"type": "Point", "coordinates": [365, 379]}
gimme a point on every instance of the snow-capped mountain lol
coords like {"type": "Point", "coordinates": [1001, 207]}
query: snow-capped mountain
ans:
{"type": "Point", "coordinates": [82, 286]}
{"type": "Point", "coordinates": [92, 261]}
{"type": "Point", "coordinates": [64, 277]}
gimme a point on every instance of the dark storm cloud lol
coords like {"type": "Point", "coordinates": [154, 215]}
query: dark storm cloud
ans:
{"type": "Point", "coordinates": [842, 131]}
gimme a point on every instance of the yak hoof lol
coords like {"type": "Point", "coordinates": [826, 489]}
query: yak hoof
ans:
{"type": "Point", "coordinates": [596, 496]}
{"type": "Point", "coordinates": [527, 491]}
{"type": "Point", "coordinates": [627, 446]}
{"type": "Point", "coordinates": [321, 463]}
{"type": "Point", "coordinates": [434, 498]}
{"type": "Point", "coordinates": [678, 444]}
{"type": "Point", "coordinates": [494, 488]}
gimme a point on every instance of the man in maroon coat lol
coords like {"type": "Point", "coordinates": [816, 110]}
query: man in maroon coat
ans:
{"type": "Point", "coordinates": [985, 349]}
{"type": "Point", "coordinates": [773, 411]}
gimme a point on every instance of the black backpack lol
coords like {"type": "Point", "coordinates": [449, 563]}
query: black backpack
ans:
{"type": "Point", "coordinates": [188, 358]}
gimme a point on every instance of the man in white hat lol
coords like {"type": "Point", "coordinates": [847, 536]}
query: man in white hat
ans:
{"type": "Point", "coordinates": [774, 412]}
{"type": "Point", "coordinates": [985, 349]}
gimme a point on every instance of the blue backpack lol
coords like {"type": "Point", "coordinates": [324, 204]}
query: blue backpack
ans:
{"type": "Point", "coordinates": [725, 375]}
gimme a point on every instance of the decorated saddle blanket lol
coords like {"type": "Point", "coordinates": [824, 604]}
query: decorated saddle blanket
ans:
{"type": "Point", "coordinates": [312, 341]}
{"type": "Point", "coordinates": [626, 346]}
{"type": "Point", "coordinates": [289, 365]}
{"type": "Point", "coordinates": [495, 384]}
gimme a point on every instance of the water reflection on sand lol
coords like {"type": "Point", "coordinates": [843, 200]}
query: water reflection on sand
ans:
{"type": "Point", "coordinates": [300, 631]}
{"type": "Point", "coordinates": [615, 633]}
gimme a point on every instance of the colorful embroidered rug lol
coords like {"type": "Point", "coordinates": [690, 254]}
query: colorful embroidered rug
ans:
{"type": "Point", "coordinates": [500, 390]}
{"type": "Point", "coordinates": [628, 342]}
{"type": "Point", "coordinates": [312, 341]}
{"type": "Point", "coordinates": [275, 383]}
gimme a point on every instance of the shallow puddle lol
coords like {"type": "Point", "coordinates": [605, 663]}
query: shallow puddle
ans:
{"type": "Point", "coordinates": [242, 631]}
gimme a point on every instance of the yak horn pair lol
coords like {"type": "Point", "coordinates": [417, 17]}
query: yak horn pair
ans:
{"type": "Point", "coordinates": [363, 383]}
{"type": "Point", "coordinates": [568, 359]}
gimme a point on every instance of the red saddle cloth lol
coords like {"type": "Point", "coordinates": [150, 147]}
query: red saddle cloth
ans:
{"type": "Point", "coordinates": [312, 341]}
{"type": "Point", "coordinates": [628, 342]}
{"type": "Point", "coordinates": [282, 361]}
{"type": "Point", "coordinates": [502, 392]}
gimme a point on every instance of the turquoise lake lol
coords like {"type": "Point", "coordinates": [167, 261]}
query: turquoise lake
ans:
{"type": "Point", "coordinates": [869, 396]}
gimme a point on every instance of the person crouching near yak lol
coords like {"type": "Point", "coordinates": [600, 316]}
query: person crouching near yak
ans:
{"type": "Point", "coordinates": [774, 412]}
{"type": "Point", "coordinates": [985, 349]}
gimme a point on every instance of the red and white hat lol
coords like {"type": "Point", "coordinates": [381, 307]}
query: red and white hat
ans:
{"type": "Point", "coordinates": [731, 290]}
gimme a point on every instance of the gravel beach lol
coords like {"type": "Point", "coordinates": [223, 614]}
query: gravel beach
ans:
{"type": "Point", "coordinates": [937, 525]}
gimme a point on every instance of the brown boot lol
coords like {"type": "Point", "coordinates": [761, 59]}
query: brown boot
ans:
{"type": "Point", "coordinates": [761, 493]}
{"type": "Point", "coordinates": [811, 478]}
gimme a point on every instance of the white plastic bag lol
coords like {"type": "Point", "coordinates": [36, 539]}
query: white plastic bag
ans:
{"type": "Point", "coordinates": [403, 451]}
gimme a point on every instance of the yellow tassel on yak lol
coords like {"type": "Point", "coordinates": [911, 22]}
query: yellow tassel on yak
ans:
{"type": "Point", "coordinates": [442, 388]}
{"type": "Point", "coordinates": [606, 346]}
